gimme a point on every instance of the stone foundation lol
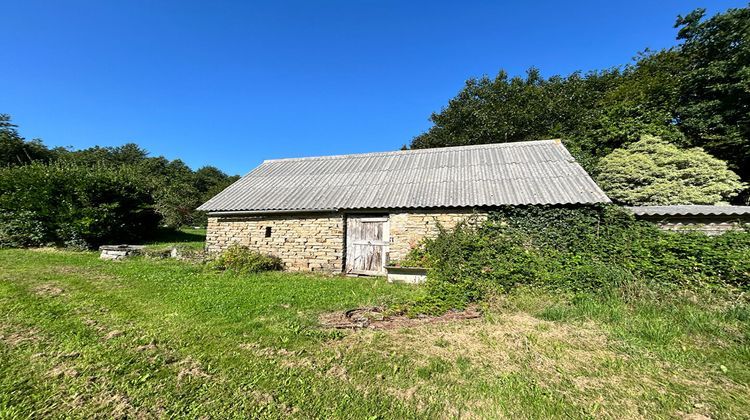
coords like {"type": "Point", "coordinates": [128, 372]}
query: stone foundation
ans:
{"type": "Point", "coordinates": [304, 242]}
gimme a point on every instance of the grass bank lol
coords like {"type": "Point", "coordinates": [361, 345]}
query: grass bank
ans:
{"type": "Point", "coordinates": [80, 337]}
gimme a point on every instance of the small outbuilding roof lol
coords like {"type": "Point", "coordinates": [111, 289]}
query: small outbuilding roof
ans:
{"type": "Point", "coordinates": [531, 172]}
{"type": "Point", "coordinates": [691, 210]}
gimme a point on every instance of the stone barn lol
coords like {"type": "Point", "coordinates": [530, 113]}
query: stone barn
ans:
{"type": "Point", "coordinates": [354, 213]}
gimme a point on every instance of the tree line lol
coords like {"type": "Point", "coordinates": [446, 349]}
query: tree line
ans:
{"type": "Point", "coordinates": [673, 127]}
{"type": "Point", "coordinates": [87, 197]}
{"type": "Point", "coordinates": [696, 94]}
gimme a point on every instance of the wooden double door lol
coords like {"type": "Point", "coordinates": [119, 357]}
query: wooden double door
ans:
{"type": "Point", "coordinates": [366, 244]}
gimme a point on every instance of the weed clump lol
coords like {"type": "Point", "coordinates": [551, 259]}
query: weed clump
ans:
{"type": "Point", "coordinates": [242, 259]}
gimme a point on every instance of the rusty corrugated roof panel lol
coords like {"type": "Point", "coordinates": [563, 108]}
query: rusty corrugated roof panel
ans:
{"type": "Point", "coordinates": [531, 172]}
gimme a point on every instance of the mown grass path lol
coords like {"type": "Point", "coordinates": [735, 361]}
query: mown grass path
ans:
{"type": "Point", "coordinates": [160, 338]}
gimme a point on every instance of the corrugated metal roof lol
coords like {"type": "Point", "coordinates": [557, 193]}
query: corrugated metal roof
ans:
{"type": "Point", "coordinates": [690, 210]}
{"type": "Point", "coordinates": [534, 172]}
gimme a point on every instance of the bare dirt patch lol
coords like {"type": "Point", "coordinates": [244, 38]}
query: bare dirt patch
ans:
{"type": "Point", "coordinates": [113, 334]}
{"type": "Point", "coordinates": [49, 289]}
{"type": "Point", "coordinates": [146, 347]}
{"type": "Point", "coordinates": [190, 368]}
{"type": "Point", "coordinates": [61, 371]}
{"type": "Point", "coordinates": [89, 274]}
{"type": "Point", "coordinates": [17, 337]}
{"type": "Point", "coordinates": [376, 318]}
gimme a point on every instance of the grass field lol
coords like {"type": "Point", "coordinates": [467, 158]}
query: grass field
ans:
{"type": "Point", "coordinates": [162, 338]}
{"type": "Point", "coordinates": [185, 237]}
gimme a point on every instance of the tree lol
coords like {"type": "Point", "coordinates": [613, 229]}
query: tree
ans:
{"type": "Point", "coordinates": [714, 94]}
{"type": "Point", "coordinates": [175, 190]}
{"type": "Point", "coordinates": [695, 94]}
{"type": "Point", "coordinates": [15, 150]}
{"type": "Point", "coordinates": [653, 171]}
{"type": "Point", "coordinates": [74, 205]}
{"type": "Point", "coordinates": [515, 109]}
{"type": "Point", "coordinates": [642, 100]}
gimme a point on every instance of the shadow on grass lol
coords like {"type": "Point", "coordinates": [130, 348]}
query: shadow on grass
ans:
{"type": "Point", "coordinates": [180, 235]}
{"type": "Point", "coordinates": [185, 236]}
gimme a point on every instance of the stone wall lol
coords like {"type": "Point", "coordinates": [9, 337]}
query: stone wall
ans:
{"type": "Point", "coordinates": [316, 242]}
{"type": "Point", "coordinates": [408, 228]}
{"type": "Point", "coordinates": [304, 242]}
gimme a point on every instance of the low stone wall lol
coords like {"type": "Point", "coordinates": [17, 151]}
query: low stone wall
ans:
{"type": "Point", "coordinates": [304, 242]}
{"type": "Point", "coordinates": [408, 228]}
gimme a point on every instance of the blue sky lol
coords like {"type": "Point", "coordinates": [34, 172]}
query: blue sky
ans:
{"type": "Point", "coordinates": [231, 83]}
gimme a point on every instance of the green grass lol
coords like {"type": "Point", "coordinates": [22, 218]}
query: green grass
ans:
{"type": "Point", "coordinates": [83, 337]}
{"type": "Point", "coordinates": [185, 237]}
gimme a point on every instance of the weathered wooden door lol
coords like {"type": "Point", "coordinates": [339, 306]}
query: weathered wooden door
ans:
{"type": "Point", "coordinates": [366, 244]}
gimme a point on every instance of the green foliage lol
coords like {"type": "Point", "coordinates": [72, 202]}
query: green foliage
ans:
{"type": "Point", "coordinates": [72, 205]}
{"type": "Point", "coordinates": [587, 249]}
{"type": "Point", "coordinates": [642, 100]}
{"type": "Point", "coordinates": [20, 229]}
{"type": "Point", "coordinates": [695, 94]}
{"type": "Point", "coordinates": [714, 89]}
{"type": "Point", "coordinates": [15, 150]}
{"type": "Point", "coordinates": [655, 172]}
{"type": "Point", "coordinates": [507, 109]}
{"type": "Point", "coordinates": [175, 189]}
{"type": "Point", "coordinates": [241, 259]}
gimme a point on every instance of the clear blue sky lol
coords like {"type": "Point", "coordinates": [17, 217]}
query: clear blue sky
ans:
{"type": "Point", "coordinates": [231, 83]}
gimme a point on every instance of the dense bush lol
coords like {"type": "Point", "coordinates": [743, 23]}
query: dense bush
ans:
{"type": "Point", "coordinates": [21, 228]}
{"type": "Point", "coordinates": [576, 249]}
{"type": "Point", "coordinates": [653, 171]}
{"type": "Point", "coordinates": [72, 205]}
{"type": "Point", "coordinates": [176, 190]}
{"type": "Point", "coordinates": [242, 259]}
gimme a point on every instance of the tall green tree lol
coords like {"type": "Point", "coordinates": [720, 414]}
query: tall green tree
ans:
{"type": "Point", "coordinates": [507, 109]}
{"type": "Point", "coordinates": [714, 88]}
{"type": "Point", "coordinates": [15, 150]}
{"type": "Point", "coordinates": [643, 99]}
{"type": "Point", "coordinates": [695, 94]}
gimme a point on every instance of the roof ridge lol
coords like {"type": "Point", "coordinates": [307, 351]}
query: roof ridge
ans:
{"type": "Point", "coordinates": [422, 151]}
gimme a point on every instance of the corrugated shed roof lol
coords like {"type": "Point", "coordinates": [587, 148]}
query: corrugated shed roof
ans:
{"type": "Point", "coordinates": [534, 172]}
{"type": "Point", "coordinates": [690, 210]}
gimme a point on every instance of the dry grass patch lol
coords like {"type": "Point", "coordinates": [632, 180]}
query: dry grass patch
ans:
{"type": "Point", "coordinates": [87, 273]}
{"type": "Point", "coordinates": [499, 345]}
{"type": "Point", "coordinates": [378, 318]}
{"type": "Point", "coordinates": [16, 336]}
{"type": "Point", "coordinates": [49, 289]}
{"type": "Point", "coordinates": [579, 363]}
{"type": "Point", "coordinates": [190, 368]}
